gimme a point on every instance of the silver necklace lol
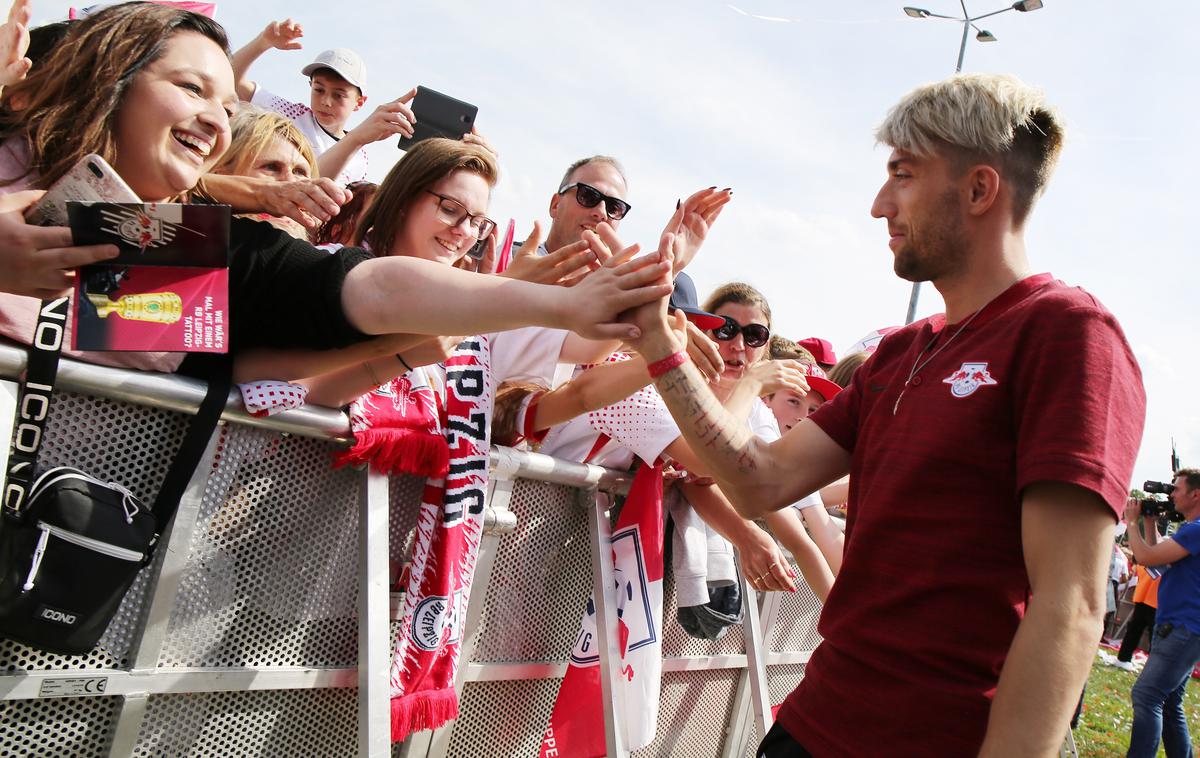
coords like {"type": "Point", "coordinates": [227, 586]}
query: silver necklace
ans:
{"type": "Point", "coordinates": [919, 364]}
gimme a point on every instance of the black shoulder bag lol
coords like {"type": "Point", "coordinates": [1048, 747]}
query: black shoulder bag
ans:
{"type": "Point", "coordinates": [71, 544]}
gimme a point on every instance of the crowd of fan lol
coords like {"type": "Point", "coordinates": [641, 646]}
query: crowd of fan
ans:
{"type": "Point", "coordinates": [180, 119]}
{"type": "Point", "coordinates": [349, 291]}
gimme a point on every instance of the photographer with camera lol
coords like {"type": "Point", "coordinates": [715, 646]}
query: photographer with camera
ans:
{"type": "Point", "coordinates": [1158, 693]}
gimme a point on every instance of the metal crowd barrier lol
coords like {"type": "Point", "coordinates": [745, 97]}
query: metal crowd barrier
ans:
{"type": "Point", "coordinates": [263, 628]}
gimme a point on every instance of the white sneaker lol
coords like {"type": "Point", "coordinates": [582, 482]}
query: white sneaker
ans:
{"type": "Point", "coordinates": [1123, 665]}
{"type": "Point", "coordinates": [1108, 659]}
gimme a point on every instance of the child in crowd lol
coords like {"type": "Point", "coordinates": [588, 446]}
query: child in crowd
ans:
{"type": "Point", "coordinates": [819, 556]}
{"type": "Point", "coordinates": [336, 78]}
{"type": "Point", "coordinates": [843, 370]}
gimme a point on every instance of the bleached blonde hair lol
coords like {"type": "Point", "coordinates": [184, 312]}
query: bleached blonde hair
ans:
{"type": "Point", "coordinates": [982, 118]}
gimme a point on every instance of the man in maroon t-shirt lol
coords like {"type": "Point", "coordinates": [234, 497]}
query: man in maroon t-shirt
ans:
{"type": "Point", "coordinates": [989, 451]}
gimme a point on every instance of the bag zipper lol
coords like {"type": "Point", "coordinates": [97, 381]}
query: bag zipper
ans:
{"type": "Point", "coordinates": [128, 502]}
{"type": "Point", "coordinates": [104, 548]}
{"type": "Point", "coordinates": [97, 546]}
{"type": "Point", "coordinates": [38, 552]}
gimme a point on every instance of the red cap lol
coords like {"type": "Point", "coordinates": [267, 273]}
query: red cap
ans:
{"type": "Point", "coordinates": [818, 382]}
{"type": "Point", "coordinates": [821, 349]}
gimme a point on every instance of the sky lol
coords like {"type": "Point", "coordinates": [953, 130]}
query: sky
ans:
{"type": "Point", "coordinates": [779, 100]}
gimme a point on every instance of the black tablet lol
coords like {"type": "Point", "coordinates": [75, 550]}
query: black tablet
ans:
{"type": "Point", "coordinates": [439, 115]}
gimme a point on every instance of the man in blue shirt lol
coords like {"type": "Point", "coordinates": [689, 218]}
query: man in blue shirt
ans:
{"type": "Point", "coordinates": [1158, 693]}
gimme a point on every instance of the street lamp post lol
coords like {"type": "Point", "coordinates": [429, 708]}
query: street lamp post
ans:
{"type": "Point", "coordinates": [983, 35]}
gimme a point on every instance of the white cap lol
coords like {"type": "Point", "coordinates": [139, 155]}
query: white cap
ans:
{"type": "Point", "coordinates": [346, 63]}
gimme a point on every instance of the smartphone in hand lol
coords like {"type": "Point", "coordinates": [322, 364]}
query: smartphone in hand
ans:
{"type": "Point", "coordinates": [91, 179]}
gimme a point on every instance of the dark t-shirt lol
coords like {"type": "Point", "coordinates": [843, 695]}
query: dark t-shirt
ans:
{"type": "Point", "coordinates": [1041, 386]}
{"type": "Point", "coordinates": [283, 293]}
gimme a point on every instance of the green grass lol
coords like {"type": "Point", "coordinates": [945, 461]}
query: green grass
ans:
{"type": "Point", "coordinates": [1108, 713]}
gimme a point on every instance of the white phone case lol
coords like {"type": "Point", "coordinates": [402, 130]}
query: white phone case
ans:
{"type": "Point", "coordinates": [89, 180]}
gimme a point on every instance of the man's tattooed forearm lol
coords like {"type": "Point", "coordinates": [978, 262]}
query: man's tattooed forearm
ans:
{"type": "Point", "coordinates": [704, 415]}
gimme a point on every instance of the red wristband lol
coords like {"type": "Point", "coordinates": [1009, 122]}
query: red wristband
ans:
{"type": "Point", "coordinates": [658, 368]}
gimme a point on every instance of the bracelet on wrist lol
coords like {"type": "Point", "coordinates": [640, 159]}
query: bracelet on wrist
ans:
{"type": "Point", "coordinates": [403, 362]}
{"type": "Point", "coordinates": [675, 360]}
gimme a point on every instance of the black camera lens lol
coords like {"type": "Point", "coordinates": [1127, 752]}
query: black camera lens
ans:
{"type": "Point", "coordinates": [1157, 488]}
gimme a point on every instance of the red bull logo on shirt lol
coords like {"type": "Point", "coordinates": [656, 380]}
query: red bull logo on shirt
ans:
{"type": "Point", "coordinates": [968, 378]}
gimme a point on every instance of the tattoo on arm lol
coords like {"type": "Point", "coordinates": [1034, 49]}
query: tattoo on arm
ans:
{"type": "Point", "coordinates": [700, 413]}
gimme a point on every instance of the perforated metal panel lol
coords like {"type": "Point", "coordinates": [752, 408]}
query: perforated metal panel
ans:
{"type": "Point", "coordinates": [77, 727]}
{"type": "Point", "coordinates": [541, 581]}
{"type": "Point", "coordinates": [277, 723]}
{"type": "Point", "coordinates": [129, 444]}
{"type": "Point", "coordinates": [500, 718]}
{"type": "Point", "coordinates": [271, 575]}
{"type": "Point", "coordinates": [693, 713]}
{"type": "Point", "coordinates": [795, 627]}
{"type": "Point", "coordinates": [781, 680]}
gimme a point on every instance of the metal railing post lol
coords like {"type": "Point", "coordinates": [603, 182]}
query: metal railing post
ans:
{"type": "Point", "coordinates": [603, 580]}
{"type": "Point", "coordinates": [374, 631]}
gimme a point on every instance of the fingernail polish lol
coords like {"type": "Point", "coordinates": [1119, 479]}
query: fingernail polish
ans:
{"type": "Point", "coordinates": [713, 187]}
{"type": "Point", "coordinates": [678, 203]}
{"type": "Point", "coordinates": [727, 189]}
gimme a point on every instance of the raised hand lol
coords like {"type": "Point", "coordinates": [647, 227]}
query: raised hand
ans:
{"type": "Point", "coordinates": [701, 349]}
{"type": "Point", "coordinates": [692, 220]}
{"type": "Point", "coordinates": [565, 266]}
{"type": "Point", "coordinates": [650, 317]}
{"type": "Point", "coordinates": [395, 117]}
{"type": "Point", "coordinates": [623, 285]}
{"type": "Point", "coordinates": [475, 138]}
{"type": "Point", "coordinates": [773, 376]}
{"type": "Point", "coordinates": [14, 43]}
{"type": "Point", "coordinates": [282, 35]}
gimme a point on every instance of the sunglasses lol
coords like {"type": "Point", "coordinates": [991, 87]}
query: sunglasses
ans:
{"type": "Point", "coordinates": [754, 335]}
{"type": "Point", "coordinates": [589, 197]}
{"type": "Point", "coordinates": [452, 212]}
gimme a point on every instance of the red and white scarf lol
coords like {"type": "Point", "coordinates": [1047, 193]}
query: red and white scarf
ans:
{"type": "Point", "coordinates": [449, 526]}
{"type": "Point", "coordinates": [397, 429]}
{"type": "Point", "coordinates": [577, 723]}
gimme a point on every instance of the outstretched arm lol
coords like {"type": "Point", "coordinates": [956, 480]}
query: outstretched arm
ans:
{"type": "Point", "coordinates": [401, 294]}
{"type": "Point", "coordinates": [280, 35]}
{"type": "Point", "coordinates": [758, 476]}
{"type": "Point", "coordinates": [1066, 536]}
{"type": "Point", "coordinates": [310, 202]}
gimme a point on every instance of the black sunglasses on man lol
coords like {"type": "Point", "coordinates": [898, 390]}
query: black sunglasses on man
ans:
{"type": "Point", "coordinates": [589, 197]}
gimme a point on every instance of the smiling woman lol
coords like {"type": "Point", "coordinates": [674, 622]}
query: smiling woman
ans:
{"type": "Point", "coordinates": [150, 89]}
{"type": "Point", "coordinates": [165, 70]}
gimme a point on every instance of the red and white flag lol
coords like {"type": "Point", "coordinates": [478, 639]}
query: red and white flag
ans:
{"type": "Point", "coordinates": [577, 724]}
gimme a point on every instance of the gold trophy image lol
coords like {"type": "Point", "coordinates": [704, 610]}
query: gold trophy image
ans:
{"type": "Point", "coordinates": [152, 307]}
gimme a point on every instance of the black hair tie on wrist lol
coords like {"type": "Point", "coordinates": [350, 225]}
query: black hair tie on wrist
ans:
{"type": "Point", "coordinates": [403, 362]}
